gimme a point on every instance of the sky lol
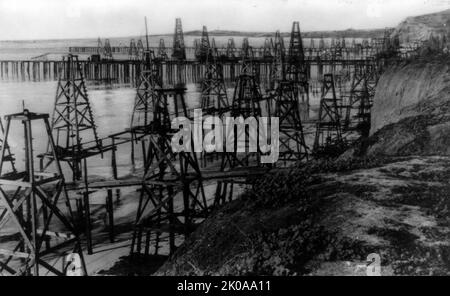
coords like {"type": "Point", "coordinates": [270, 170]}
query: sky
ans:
{"type": "Point", "coordinates": [61, 19]}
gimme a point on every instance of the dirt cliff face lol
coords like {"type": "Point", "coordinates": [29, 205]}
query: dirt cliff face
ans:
{"type": "Point", "coordinates": [409, 89]}
{"type": "Point", "coordinates": [411, 111]}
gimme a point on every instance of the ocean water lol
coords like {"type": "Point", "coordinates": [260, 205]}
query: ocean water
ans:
{"type": "Point", "coordinates": [54, 49]}
{"type": "Point", "coordinates": [111, 107]}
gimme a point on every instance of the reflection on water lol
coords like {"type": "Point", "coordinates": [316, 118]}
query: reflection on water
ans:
{"type": "Point", "coordinates": [112, 107]}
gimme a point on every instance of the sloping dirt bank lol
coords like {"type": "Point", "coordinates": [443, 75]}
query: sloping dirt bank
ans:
{"type": "Point", "coordinates": [328, 223]}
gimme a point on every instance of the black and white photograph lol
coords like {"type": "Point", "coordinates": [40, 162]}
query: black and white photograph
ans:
{"type": "Point", "coordinates": [253, 139]}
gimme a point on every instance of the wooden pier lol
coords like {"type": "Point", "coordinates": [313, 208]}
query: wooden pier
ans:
{"type": "Point", "coordinates": [128, 71]}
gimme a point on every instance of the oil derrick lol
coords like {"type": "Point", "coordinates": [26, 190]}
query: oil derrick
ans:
{"type": "Point", "coordinates": [133, 51]}
{"type": "Point", "coordinates": [30, 209]}
{"type": "Point", "coordinates": [391, 44]}
{"type": "Point", "coordinates": [179, 51]}
{"type": "Point", "coordinates": [268, 48]}
{"type": "Point", "coordinates": [246, 103]}
{"type": "Point", "coordinates": [168, 175]}
{"type": "Point", "coordinates": [292, 140]}
{"type": "Point", "coordinates": [365, 43]}
{"type": "Point", "coordinates": [395, 43]}
{"type": "Point", "coordinates": [204, 47]}
{"type": "Point", "coordinates": [328, 140]}
{"type": "Point", "coordinates": [336, 49]}
{"type": "Point", "coordinates": [247, 61]}
{"type": "Point", "coordinates": [364, 112]}
{"type": "Point", "coordinates": [296, 54]}
{"type": "Point", "coordinates": [296, 68]}
{"type": "Point", "coordinates": [214, 99]}
{"type": "Point", "coordinates": [321, 43]}
{"type": "Point", "coordinates": [231, 49]}
{"type": "Point", "coordinates": [246, 97]}
{"type": "Point", "coordinates": [146, 95]}
{"type": "Point", "coordinates": [140, 50]}
{"type": "Point", "coordinates": [100, 48]}
{"type": "Point", "coordinates": [246, 50]}
{"type": "Point", "coordinates": [376, 44]}
{"type": "Point", "coordinates": [277, 70]}
{"type": "Point", "coordinates": [214, 50]}
{"type": "Point", "coordinates": [162, 53]}
{"type": "Point", "coordinates": [73, 120]}
{"type": "Point", "coordinates": [107, 51]}
{"type": "Point", "coordinates": [197, 47]}
{"type": "Point", "coordinates": [360, 100]}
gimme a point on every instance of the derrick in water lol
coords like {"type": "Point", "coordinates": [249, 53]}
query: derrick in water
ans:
{"type": "Point", "coordinates": [214, 100]}
{"type": "Point", "coordinates": [179, 50]}
{"type": "Point", "coordinates": [146, 95]}
{"type": "Point", "coordinates": [246, 103]}
{"type": "Point", "coordinates": [168, 175]}
{"type": "Point", "coordinates": [277, 70]}
{"type": "Point", "coordinates": [297, 70]}
{"type": "Point", "coordinates": [287, 109]}
{"type": "Point", "coordinates": [285, 96]}
{"type": "Point", "coordinates": [73, 120]}
{"type": "Point", "coordinates": [328, 139]}
{"type": "Point", "coordinates": [162, 52]}
{"type": "Point", "coordinates": [204, 49]}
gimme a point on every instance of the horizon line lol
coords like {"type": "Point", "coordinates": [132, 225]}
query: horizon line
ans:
{"type": "Point", "coordinates": [190, 33]}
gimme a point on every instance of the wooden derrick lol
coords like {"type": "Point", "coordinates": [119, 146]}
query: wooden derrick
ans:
{"type": "Point", "coordinates": [30, 206]}
{"type": "Point", "coordinates": [169, 175]}
{"type": "Point", "coordinates": [73, 120]}
{"type": "Point", "coordinates": [146, 96]}
{"type": "Point", "coordinates": [296, 67]}
{"type": "Point", "coordinates": [292, 141]}
{"type": "Point", "coordinates": [214, 100]}
{"type": "Point", "coordinates": [328, 140]}
{"type": "Point", "coordinates": [179, 51]}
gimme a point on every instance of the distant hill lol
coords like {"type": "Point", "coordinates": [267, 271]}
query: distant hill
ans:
{"type": "Point", "coordinates": [423, 26]}
{"type": "Point", "coordinates": [349, 33]}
